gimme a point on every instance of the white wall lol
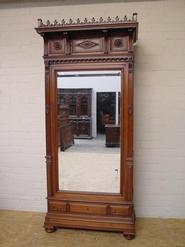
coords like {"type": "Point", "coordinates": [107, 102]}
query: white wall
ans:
{"type": "Point", "coordinates": [159, 128]}
{"type": "Point", "coordinates": [98, 84]}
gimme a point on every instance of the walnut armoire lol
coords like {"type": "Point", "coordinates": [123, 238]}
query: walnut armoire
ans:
{"type": "Point", "coordinates": [90, 45]}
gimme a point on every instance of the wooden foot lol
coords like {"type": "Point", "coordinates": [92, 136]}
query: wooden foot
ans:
{"type": "Point", "coordinates": [50, 229]}
{"type": "Point", "coordinates": [129, 236]}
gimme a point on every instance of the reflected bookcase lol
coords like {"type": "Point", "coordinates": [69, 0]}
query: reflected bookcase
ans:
{"type": "Point", "coordinates": [79, 102]}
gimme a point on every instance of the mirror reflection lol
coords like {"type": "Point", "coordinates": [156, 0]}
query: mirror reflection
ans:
{"type": "Point", "coordinates": [88, 118]}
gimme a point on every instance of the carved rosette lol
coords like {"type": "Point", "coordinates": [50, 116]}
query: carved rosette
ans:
{"type": "Point", "coordinates": [118, 43]}
{"type": "Point", "coordinates": [57, 45]}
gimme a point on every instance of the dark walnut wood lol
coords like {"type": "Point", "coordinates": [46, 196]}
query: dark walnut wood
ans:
{"type": "Point", "coordinates": [90, 45]}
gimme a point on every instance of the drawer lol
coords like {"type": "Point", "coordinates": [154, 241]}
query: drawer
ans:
{"type": "Point", "coordinates": [86, 208]}
{"type": "Point", "coordinates": [57, 206]}
{"type": "Point", "coordinates": [120, 210]}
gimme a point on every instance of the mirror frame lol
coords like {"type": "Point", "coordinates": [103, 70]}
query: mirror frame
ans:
{"type": "Point", "coordinates": [90, 45]}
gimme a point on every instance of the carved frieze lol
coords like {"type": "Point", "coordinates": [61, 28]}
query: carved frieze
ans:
{"type": "Point", "coordinates": [90, 60]}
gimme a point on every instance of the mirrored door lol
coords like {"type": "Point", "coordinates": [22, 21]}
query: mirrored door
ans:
{"type": "Point", "coordinates": [89, 130]}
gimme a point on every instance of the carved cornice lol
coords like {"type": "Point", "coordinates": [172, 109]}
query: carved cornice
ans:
{"type": "Point", "coordinates": [51, 61]}
{"type": "Point", "coordinates": [92, 21]}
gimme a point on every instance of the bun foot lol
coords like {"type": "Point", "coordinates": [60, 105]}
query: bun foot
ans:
{"type": "Point", "coordinates": [129, 236]}
{"type": "Point", "coordinates": [50, 229]}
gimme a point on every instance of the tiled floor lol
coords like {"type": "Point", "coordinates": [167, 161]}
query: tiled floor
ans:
{"type": "Point", "coordinates": [23, 229]}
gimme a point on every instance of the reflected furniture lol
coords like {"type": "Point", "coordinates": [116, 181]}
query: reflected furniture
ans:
{"type": "Point", "coordinates": [79, 103]}
{"type": "Point", "coordinates": [112, 135]}
{"type": "Point", "coordinates": [106, 110]}
{"type": "Point", "coordinates": [65, 128]}
{"type": "Point", "coordinates": [90, 45]}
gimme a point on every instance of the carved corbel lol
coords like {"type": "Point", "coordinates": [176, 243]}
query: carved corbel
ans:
{"type": "Point", "coordinates": [105, 33]}
{"type": "Point", "coordinates": [67, 43]}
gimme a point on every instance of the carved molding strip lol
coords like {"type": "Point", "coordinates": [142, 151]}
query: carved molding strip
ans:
{"type": "Point", "coordinates": [92, 21]}
{"type": "Point", "coordinates": [129, 161]}
{"type": "Point", "coordinates": [48, 159]}
{"type": "Point", "coordinates": [89, 60]}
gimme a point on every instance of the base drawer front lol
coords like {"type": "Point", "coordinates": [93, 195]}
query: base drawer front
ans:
{"type": "Point", "coordinates": [59, 207]}
{"type": "Point", "coordinates": [120, 210]}
{"type": "Point", "coordinates": [83, 208]}
{"type": "Point", "coordinates": [88, 209]}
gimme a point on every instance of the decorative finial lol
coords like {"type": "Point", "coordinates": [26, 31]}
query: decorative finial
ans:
{"type": "Point", "coordinates": [70, 21]}
{"type": "Point", "coordinates": [125, 18]}
{"type": "Point", "coordinates": [63, 22]}
{"type": "Point", "coordinates": [78, 21]}
{"type": "Point", "coordinates": [86, 21]}
{"type": "Point", "coordinates": [134, 16]}
{"type": "Point", "coordinates": [40, 23]}
{"type": "Point", "coordinates": [101, 19]}
{"type": "Point", "coordinates": [93, 20]}
{"type": "Point", "coordinates": [108, 19]}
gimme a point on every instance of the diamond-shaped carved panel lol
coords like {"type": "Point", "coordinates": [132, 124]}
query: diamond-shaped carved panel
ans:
{"type": "Point", "coordinates": [87, 46]}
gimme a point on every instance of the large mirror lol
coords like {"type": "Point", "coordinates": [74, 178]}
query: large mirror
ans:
{"type": "Point", "coordinates": [88, 122]}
